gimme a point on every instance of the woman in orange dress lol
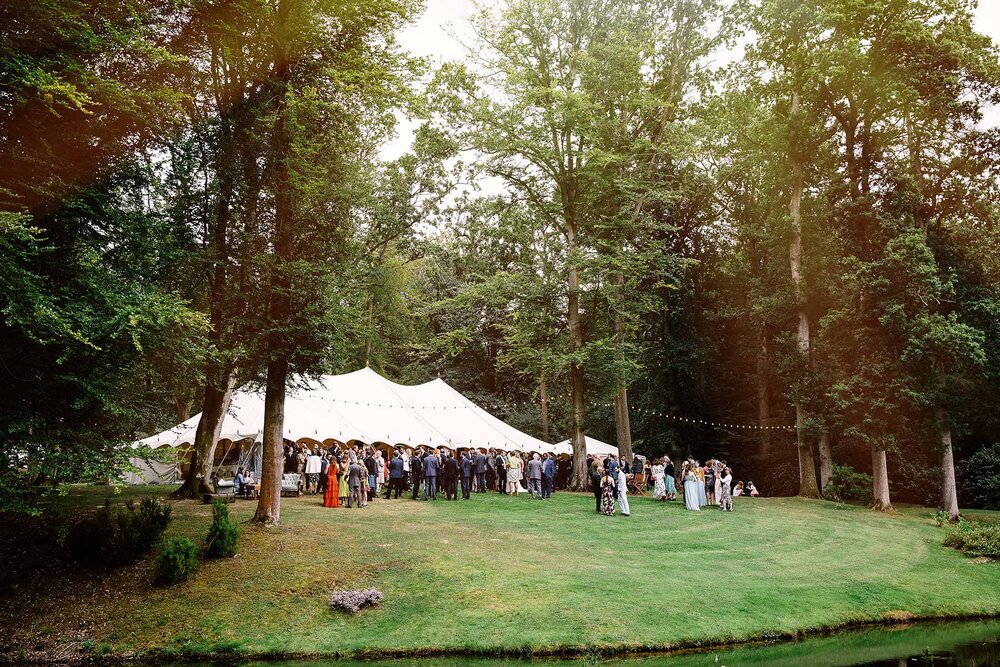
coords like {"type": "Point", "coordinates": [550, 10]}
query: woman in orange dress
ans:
{"type": "Point", "coordinates": [331, 497]}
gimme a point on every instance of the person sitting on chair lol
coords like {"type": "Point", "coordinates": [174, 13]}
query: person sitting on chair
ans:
{"type": "Point", "coordinates": [239, 482]}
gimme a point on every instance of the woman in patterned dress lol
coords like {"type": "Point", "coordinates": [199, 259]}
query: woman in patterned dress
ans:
{"type": "Point", "coordinates": [699, 476]}
{"type": "Point", "coordinates": [709, 471]}
{"type": "Point", "coordinates": [379, 471]}
{"type": "Point", "coordinates": [726, 498]}
{"type": "Point", "coordinates": [659, 488]}
{"type": "Point", "coordinates": [608, 488]}
{"type": "Point", "coordinates": [514, 466]}
{"type": "Point", "coordinates": [719, 467]}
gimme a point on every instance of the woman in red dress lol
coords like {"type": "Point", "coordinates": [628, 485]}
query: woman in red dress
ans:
{"type": "Point", "coordinates": [331, 498]}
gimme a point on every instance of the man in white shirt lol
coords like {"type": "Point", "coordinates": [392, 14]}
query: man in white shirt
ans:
{"type": "Point", "coordinates": [623, 493]}
{"type": "Point", "coordinates": [313, 466]}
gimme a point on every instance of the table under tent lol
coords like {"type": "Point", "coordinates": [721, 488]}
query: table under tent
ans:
{"type": "Point", "coordinates": [361, 407]}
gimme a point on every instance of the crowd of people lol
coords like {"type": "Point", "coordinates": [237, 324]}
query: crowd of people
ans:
{"type": "Point", "coordinates": [354, 476]}
{"type": "Point", "coordinates": [711, 484]}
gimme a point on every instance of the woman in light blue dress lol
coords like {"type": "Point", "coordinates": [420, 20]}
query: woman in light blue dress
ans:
{"type": "Point", "coordinates": [699, 474]}
{"type": "Point", "coordinates": [690, 489]}
{"type": "Point", "coordinates": [668, 478]}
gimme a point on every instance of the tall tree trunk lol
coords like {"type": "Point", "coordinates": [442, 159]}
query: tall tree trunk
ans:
{"type": "Point", "coordinates": [580, 480]}
{"type": "Point", "coordinates": [807, 468]}
{"type": "Point", "coordinates": [214, 408]}
{"type": "Point", "coordinates": [808, 486]}
{"type": "Point", "coordinates": [880, 481]}
{"type": "Point", "coordinates": [623, 427]}
{"type": "Point", "coordinates": [825, 459]}
{"type": "Point", "coordinates": [218, 377]}
{"type": "Point", "coordinates": [949, 491]}
{"type": "Point", "coordinates": [543, 396]}
{"type": "Point", "coordinates": [182, 406]}
{"type": "Point", "coordinates": [490, 367]}
{"type": "Point", "coordinates": [370, 333]}
{"type": "Point", "coordinates": [269, 503]}
{"type": "Point", "coordinates": [221, 397]}
{"type": "Point", "coordinates": [764, 392]}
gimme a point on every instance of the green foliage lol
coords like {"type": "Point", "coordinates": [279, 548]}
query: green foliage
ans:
{"type": "Point", "coordinates": [847, 485]}
{"type": "Point", "coordinates": [980, 476]}
{"type": "Point", "coordinates": [177, 562]}
{"type": "Point", "coordinates": [118, 535]}
{"type": "Point", "coordinates": [975, 539]}
{"type": "Point", "coordinates": [86, 85]}
{"type": "Point", "coordinates": [90, 317]}
{"type": "Point", "coordinates": [223, 532]}
{"type": "Point", "coordinates": [143, 247]}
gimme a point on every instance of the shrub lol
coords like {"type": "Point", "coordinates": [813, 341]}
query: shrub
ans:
{"type": "Point", "coordinates": [847, 485]}
{"type": "Point", "coordinates": [981, 477]}
{"type": "Point", "coordinates": [941, 518]}
{"type": "Point", "coordinates": [353, 601]}
{"type": "Point", "coordinates": [177, 562]}
{"type": "Point", "coordinates": [915, 478]}
{"type": "Point", "coordinates": [90, 535]}
{"type": "Point", "coordinates": [975, 539]}
{"type": "Point", "coordinates": [223, 532]}
{"type": "Point", "coordinates": [118, 535]}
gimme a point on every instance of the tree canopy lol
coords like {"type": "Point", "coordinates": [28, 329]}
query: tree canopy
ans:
{"type": "Point", "coordinates": [760, 230]}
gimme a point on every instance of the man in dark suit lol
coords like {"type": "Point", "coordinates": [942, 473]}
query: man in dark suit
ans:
{"type": "Point", "coordinates": [395, 476]}
{"type": "Point", "coordinates": [416, 471]}
{"type": "Point", "coordinates": [548, 475]}
{"type": "Point", "coordinates": [611, 465]}
{"type": "Point", "coordinates": [466, 468]}
{"type": "Point", "coordinates": [323, 465]}
{"type": "Point", "coordinates": [451, 477]}
{"type": "Point", "coordinates": [491, 469]}
{"type": "Point", "coordinates": [479, 467]}
{"type": "Point", "coordinates": [370, 466]}
{"type": "Point", "coordinates": [430, 475]}
{"type": "Point", "coordinates": [501, 466]}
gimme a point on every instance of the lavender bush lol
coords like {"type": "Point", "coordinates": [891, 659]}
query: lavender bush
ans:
{"type": "Point", "coordinates": [353, 601]}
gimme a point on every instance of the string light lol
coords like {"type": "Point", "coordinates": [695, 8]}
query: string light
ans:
{"type": "Point", "coordinates": [524, 404]}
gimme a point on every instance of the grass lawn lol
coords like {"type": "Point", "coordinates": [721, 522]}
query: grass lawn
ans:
{"type": "Point", "coordinates": [497, 573]}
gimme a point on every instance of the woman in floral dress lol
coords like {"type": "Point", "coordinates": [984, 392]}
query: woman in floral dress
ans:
{"type": "Point", "coordinates": [608, 489]}
{"type": "Point", "coordinates": [726, 498]}
{"type": "Point", "coordinates": [659, 487]}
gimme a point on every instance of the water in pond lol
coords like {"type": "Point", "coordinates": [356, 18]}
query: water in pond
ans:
{"type": "Point", "coordinates": [963, 644]}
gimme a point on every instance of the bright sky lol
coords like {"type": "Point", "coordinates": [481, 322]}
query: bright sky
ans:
{"type": "Point", "coordinates": [430, 35]}
{"type": "Point", "coordinates": [445, 25]}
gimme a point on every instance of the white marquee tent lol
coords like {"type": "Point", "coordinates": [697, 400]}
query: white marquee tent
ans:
{"type": "Point", "coordinates": [365, 406]}
{"type": "Point", "coordinates": [594, 447]}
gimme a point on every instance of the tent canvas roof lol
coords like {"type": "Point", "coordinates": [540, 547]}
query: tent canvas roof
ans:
{"type": "Point", "coordinates": [594, 447]}
{"type": "Point", "coordinates": [365, 406]}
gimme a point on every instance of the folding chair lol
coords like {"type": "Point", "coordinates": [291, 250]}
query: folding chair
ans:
{"type": "Point", "coordinates": [638, 484]}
